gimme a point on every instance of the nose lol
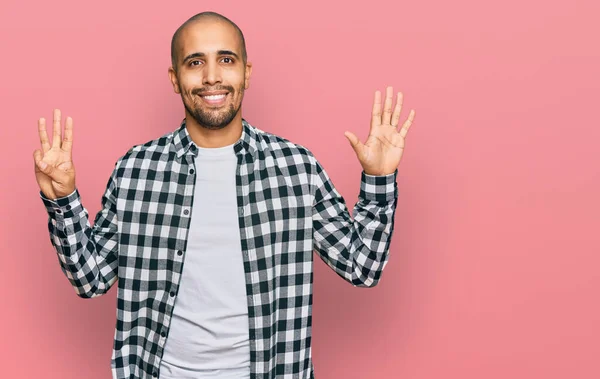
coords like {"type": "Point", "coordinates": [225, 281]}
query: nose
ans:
{"type": "Point", "coordinates": [212, 73]}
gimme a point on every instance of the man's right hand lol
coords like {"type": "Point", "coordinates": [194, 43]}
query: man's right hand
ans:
{"type": "Point", "coordinates": [54, 169]}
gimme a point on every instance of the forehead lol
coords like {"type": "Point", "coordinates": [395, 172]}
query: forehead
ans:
{"type": "Point", "coordinates": [208, 36]}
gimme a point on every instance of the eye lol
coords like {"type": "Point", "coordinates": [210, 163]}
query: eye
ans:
{"type": "Point", "coordinates": [192, 62]}
{"type": "Point", "coordinates": [231, 60]}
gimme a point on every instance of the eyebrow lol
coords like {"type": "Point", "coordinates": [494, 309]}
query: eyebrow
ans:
{"type": "Point", "coordinates": [202, 55]}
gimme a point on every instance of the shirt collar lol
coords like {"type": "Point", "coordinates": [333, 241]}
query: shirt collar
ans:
{"type": "Point", "coordinates": [184, 145]}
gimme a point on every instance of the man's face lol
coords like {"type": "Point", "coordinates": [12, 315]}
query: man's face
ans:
{"type": "Point", "coordinates": [209, 60]}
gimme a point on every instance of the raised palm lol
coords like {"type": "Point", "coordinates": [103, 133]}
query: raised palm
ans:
{"type": "Point", "coordinates": [383, 149]}
{"type": "Point", "coordinates": [54, 169]}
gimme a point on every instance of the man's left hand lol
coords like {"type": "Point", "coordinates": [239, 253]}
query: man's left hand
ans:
{"type": "Point", "coordinates": [381, 153]}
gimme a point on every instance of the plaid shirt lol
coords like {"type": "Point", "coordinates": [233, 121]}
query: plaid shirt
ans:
{"type": "Point", "coordinates": [287, 207]}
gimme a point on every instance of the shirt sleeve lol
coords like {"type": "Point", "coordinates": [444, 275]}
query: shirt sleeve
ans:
{"type": "Point", "coordinates": [356, 249]}
{"type": "Point", "coordinates": [88, 255]}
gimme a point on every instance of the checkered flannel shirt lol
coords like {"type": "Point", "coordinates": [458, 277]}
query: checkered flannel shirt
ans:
{"type": "Point", "coordinates": [287, 207]}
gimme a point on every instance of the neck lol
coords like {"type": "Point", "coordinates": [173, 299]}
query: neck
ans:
{"type": "Point", "coordinates": [205, 137]}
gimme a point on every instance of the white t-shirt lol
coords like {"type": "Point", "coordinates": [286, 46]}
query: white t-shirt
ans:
{"type": "Point", "coordinates": [209, 331]}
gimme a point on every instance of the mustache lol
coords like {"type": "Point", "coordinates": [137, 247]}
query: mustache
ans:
{"type": "Point", "coordinates": [200, 91]}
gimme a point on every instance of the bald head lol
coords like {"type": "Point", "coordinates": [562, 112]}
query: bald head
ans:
{"type": "Point", "coordinates": [205, 16]}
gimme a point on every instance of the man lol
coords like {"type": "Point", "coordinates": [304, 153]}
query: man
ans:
{"type": "Point", "coordinates": [210, 229]}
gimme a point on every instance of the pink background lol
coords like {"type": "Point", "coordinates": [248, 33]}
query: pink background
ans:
{"type": "Point", "coordinates": [494, 269]}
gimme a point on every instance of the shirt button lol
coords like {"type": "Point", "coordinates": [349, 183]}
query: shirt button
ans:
{"type": "Point", "coordinates": [163, 334]}
{"type": "Point", "coordinates": [66, 242]}
{"type": "Point", "coordinates": [68, 207]}
{"type": "Point", "coordinates": [179, 252]}
{"type": "Point", "coordinates": [172, 293]}
{"type": "Point", "coordinates": [155, 374]}
{"type": "Point", "coordinates": [191, 171]}
{"type": "Point", "coordinates": [242, 210]}
{"type": "Point", "coordinates": [185, 212]}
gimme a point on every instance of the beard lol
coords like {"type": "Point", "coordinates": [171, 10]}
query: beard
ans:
{"type": "Point", "coordinates": [216, 118]}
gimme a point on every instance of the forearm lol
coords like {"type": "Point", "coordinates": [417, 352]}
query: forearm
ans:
{"type": "Point", "coordinates": [85, 253]}
{"type": "Point", "coordinates": [357, 249]}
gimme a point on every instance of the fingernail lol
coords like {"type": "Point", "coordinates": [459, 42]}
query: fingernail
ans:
{"type": "Point", "coordinates": [43, 164]}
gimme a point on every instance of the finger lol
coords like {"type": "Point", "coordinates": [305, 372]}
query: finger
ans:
{"type": "Point", "coordinates": [43, 134]}
{"type": "Point", "coordinates": [387, 106]}
{"type": "Point", "coordinates": [407, 123]}
{"type": "Point", "coordinates": [67, 143]}
{"type": "Point", "coordinates": [376, 114]}
{"type": "Point", "coordinates": [397, 109]}
{"type": "Point", "coordinates": [54, 174]}
{"type": "Point", "coordinates": [56, 129]}
{"type": "Point", "coordinates": [354, 142]}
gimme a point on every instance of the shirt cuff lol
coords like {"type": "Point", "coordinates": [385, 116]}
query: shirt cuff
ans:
{"type": "Point", "coordinates": [62, 207]}
{"type": "Point", "coordinates": [379, 187]}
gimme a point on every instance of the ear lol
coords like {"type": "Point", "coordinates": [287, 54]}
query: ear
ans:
{"type": "Point", "coordinates": [174, 81]}
{"type": "Point", "coordinates": [247, 76]}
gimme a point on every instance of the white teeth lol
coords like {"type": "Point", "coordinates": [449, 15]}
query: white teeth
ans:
{"type": "Point", "coordinates": [215, 97]}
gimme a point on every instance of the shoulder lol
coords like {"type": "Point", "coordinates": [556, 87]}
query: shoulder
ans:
{"type": "Point", "coordinates": [282, 148]}
{"type": "Point", "coordinates": [148, 149]}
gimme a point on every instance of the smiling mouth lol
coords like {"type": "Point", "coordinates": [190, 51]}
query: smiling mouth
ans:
{"type": "Point", "coordinates": [215, 99]}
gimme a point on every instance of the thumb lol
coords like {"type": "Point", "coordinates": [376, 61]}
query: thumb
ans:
{"type": "Point", "coordinates": [41, 165]}
{"type": "Point", "coordinates": [354, 142]}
